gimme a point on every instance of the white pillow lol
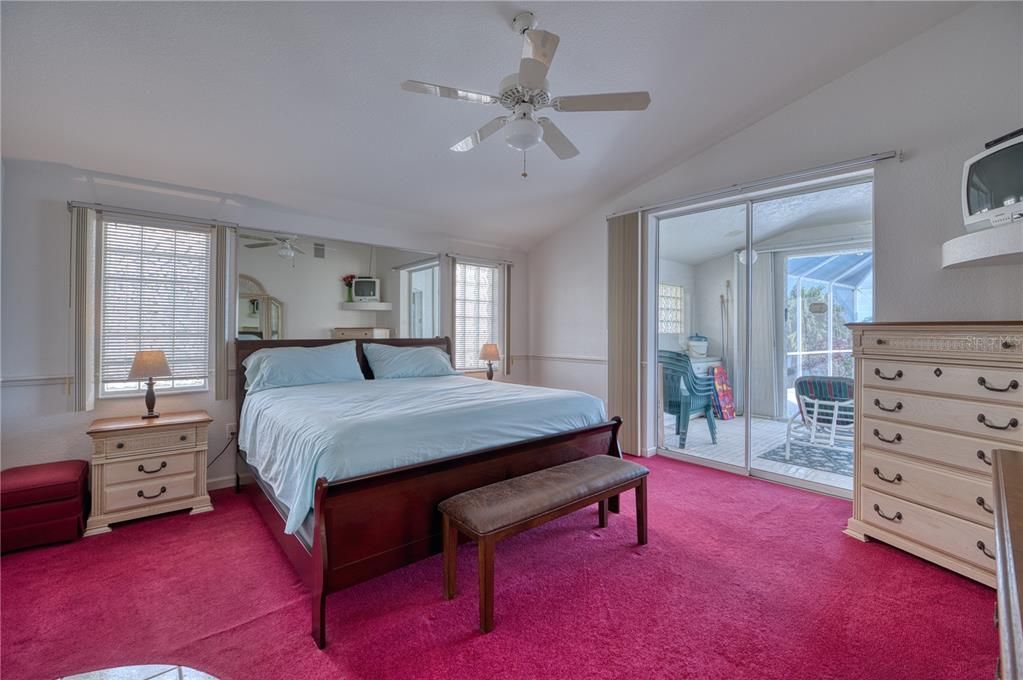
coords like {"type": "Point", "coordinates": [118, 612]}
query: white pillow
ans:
{"type": "Point", "coordinates": [289, 366]}
{"type": "Point", "coordinates": [407, 362]}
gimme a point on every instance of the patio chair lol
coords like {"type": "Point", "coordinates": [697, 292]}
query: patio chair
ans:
{"type": "Point", "coordinates": [825, 416]}
{"type": "Point", "coordinates": [686, 394]}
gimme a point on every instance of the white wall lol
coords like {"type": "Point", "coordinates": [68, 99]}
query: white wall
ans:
{"type": "Point", "coordinates": [938, 97]}
{"type": "Point", "coordinates": [37, 424]}
{"type": "Point", "coordinates": [712, 277]}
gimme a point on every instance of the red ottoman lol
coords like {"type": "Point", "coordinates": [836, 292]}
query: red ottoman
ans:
{"type": "Point", "coordinates": [42, 504]}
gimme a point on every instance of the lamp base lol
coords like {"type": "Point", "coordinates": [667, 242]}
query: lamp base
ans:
{"type": "Point", "coordinates": [490, 370]}
{"type": "Point", "coordinates": [150, 415]}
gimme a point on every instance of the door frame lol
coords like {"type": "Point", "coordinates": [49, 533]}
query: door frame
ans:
{"type": "Point", "coordinates": [653, 422]}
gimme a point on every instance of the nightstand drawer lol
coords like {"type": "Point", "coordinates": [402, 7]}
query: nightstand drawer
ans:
{"type": "Point", "coordinates": [157, 441]}
{"type": "Point", "coordinates": [148, 492]}
{"type": "Point", "coordinates": [150, 468]}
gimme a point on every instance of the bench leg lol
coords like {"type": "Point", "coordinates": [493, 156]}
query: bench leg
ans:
{"type": "Point", "coordinates": [613, 504]}
{"type": "Point", "coordinates": [450, 557]}
{"type": "Point", "coordinates": [602, 513]}
{"type": "Point", "coordinates": [486, 551]}
{"type": "Point", "coordinates": [641, 511]}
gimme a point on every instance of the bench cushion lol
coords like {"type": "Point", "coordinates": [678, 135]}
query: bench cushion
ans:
{"type": "Point", "coordinates": [42, 483]}
{"type": "Point", "coordinates": [497, 506]}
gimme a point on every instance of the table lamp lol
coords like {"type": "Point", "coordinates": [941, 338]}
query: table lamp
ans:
{"type": "Point", "coordinates": [149, 364]}
{"type": "Point", "coordinates": [489, 353]}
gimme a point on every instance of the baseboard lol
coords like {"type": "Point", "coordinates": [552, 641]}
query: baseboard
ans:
{"type": "Point", "coordinates": [226, 482]}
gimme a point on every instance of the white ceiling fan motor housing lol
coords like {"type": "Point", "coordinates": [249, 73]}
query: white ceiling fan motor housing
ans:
{"type": "Point", "coordinates": [524, 21]}
{"type": "Point", "coordinates": [512, 94]}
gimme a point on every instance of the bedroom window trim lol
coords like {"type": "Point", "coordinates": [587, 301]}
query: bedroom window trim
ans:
{"type": "Point", "coordinates": [207, 384]}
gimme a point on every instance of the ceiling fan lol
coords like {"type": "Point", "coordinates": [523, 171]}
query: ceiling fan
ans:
{"type": "Point", "coordinates": [285, 244]}
{"type": "Point", "coordinates": [528, 91]}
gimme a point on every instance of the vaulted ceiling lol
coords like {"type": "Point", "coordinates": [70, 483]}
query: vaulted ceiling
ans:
{"type": "Point", "coordinates": [299, 104]}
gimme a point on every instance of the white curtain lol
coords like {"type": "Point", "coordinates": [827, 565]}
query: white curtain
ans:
{"type": "Point", "coordinates": [82, 307]}
{"type": "Point", "coordinates": [766, 399]}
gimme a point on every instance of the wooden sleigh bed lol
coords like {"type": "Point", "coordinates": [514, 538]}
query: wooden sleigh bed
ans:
{"type": "Point", "coordinates": [366, 526]}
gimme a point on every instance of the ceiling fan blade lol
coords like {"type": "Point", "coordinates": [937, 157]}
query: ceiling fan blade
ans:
{"type": "Point", "coordinates": [612, 101]}
{"type": "Point", "coordinates": [473, 140]}
{"type": "Point", "coordinates": [263, 244]}
{"type": "Point", "coordinates": [449, 92]}
{"type": "Point", "coordinates": [556, 140]}
{"type": "Point", "coordinates": [256, 238]}
{"type": "Point", "coordinates": [298, 250]}
{"type": "Point", "coordinates": [538, 50]}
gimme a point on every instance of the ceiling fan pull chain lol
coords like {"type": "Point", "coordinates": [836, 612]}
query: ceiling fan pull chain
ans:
{"type": "Point", "coordinates": [525, 174]}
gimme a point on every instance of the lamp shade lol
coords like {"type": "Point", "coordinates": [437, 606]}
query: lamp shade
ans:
{"type": "Point", "coordinates": [489, 352]}
{"type": "Point", "coordinates": [149, 363]}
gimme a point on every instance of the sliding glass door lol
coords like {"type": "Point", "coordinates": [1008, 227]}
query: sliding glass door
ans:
{"type": "Point", "coordinates": [754, 356]}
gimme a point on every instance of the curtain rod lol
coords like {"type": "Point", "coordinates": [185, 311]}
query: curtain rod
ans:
{"type": "Point", "coordinates": [148, 213]}
{"type": "Point", "coordinates": [478, 258]}
{"type": "Point", "coordinates": [746, 187]}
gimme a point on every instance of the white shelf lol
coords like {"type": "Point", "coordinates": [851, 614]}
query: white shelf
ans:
{"type": "Point", "coordinates": [1000, 245]}
{"type": "Point", "coordinates": [366, 306]}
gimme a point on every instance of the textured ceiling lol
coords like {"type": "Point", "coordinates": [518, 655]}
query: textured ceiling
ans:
{"type": "Point", "coordinates": [299, 104]}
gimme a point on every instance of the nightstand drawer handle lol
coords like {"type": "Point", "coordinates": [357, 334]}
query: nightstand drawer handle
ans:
{"type": "Point", "coordinates": [120, 445]}
{"type": "Point", "coordinates": [142, 494]}
{"type": "Point", "coordinates": [983, 548]}
{"type": "Point", "coordinates": [983, 503]}
{"type": "Point", "coordinates": [184, 437]}
{"type": "Point", "coordinates": [882, 376]}
{"type": "Point", "coordinates": [142, 468]}
{"type": "Point", "coordinates": [1013, 385]}
{"type": "Point", "coordinates": [893, 409]}
{"type": "Point", "coordinates": [1011, 425]}
{"type": "Point", "coordinates": [982, 456]}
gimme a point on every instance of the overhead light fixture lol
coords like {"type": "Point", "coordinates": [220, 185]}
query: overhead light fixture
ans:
{"type": "Point", "coordinates": [285, 250]}
{"type": "Point", "coordinates": [742, 256]}
{"type": "Point", "coordinates": [522, 132]}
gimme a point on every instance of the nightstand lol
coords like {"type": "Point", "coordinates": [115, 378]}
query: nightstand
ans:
{"type": "Point", "coordinates": [146, 467]}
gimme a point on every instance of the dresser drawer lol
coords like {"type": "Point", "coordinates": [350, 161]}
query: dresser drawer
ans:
{"type": "Point", "coordinates": [931, 528]}
{"type": "Point", "coordinates": [965, 452]}
{"type": "Point", "coordinates": [958, 494]}
{"type": "Point", "coordinates": [995, 421]}
{"type": "Point", "coordinates": [147, 492]}
{"type": "Point", "coordinates": [156, 441]}
{"type": "Point", "coordinates": [1002, 384]}
{"type": "Point", "coordinates": [150, 468]}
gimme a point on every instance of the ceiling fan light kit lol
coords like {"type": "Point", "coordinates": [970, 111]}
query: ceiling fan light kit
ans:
{"type": "Point", "coordinates": [528, 91]}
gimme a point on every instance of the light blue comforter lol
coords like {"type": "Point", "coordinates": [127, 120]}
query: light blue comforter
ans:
{"type": "Point", "coordinates": [294, 435]}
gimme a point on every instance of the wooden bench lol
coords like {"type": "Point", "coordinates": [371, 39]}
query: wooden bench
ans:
{"type": "Point", "coordinates": [488, 514]}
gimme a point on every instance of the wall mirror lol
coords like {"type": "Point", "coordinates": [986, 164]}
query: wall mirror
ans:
{"type": "Point", "coordinates": [396, 292]}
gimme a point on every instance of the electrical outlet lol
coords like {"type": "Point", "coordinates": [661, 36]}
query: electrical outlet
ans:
{"type": "Point", "coordinates": [232, 429]}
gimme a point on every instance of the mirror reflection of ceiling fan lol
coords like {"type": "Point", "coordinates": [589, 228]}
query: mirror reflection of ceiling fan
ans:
{"type": "Point", "coordinates": [285, 243]}
{"type": "Point", "coordinates": [528, 91]}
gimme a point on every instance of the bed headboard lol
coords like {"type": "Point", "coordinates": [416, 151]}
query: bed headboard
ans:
{"type": "Point", "coordinates": [243, 348]}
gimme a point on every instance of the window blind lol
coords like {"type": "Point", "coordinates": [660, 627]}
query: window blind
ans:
{"type": "Point", "coordinates": [155, 294]}
{"type": "Point", "coordinates": [476, 312]}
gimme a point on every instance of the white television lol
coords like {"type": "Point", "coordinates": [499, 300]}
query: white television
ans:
{"type": "Point", "coordinates": [366, 289]}
{"type": "Point", "coordinates": [993, 184]}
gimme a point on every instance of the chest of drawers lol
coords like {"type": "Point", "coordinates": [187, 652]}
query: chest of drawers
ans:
{"type": "Point", "coordinates": [933, 401]}
{"type": "Point", "coordinates": [145, 467]}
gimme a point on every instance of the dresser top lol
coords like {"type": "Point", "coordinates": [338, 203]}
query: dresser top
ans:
{"type": "Point", "coordinates": [139, 423]}
{"type": "Point", "coordinates": [933, 324]}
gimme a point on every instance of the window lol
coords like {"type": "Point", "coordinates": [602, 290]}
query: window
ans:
{"type": "Point", "coordinates": [477, 312]}
{"type": "Point", "coordinates": [420, 313]}
{"type": "Point", "coordinates": [671, 309]}
{"type": "Point", "coordinates": [154, 294]}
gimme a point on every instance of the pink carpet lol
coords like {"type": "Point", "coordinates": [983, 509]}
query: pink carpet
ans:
{"type": "Point", "coordinates": [741, 579]}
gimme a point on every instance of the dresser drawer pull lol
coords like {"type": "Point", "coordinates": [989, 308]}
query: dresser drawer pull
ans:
{"type": "Point", "coordinates": [937, 373]}
{"type": "Point", "coordinates": [142, 494]}
{"type": "Point", "coordinates": [1012, 424]}
{"type": "Point", "coordinates": [983, 456]}
{"type": "Point", "coordinates": [1007, 345]}
{"type": "Point", "coordinates": [184, 437]}
{"type": "Point", "coordinates": [894, 440]}
{"type": "Point", "coordinates": [983, 548]}
{"type": "Point", "coordinates": [893, 409]}
{"type": "Point", "coordinates": [142, 468]}
{"type": "Point", "coordinates": [120, 445]}
{"type": "Point", "coordinates": [983, 503]}
{"type": "Point", "coordinates": [897, 479]}
{"type": "Point", "coordinates": [1013, 385]}
{"type": "Point", "coordinates": [881, 341]}
{"type": "Point", "coordinates": [897, 517]}
{"type": "Point", "coordinates": [882, 376]}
